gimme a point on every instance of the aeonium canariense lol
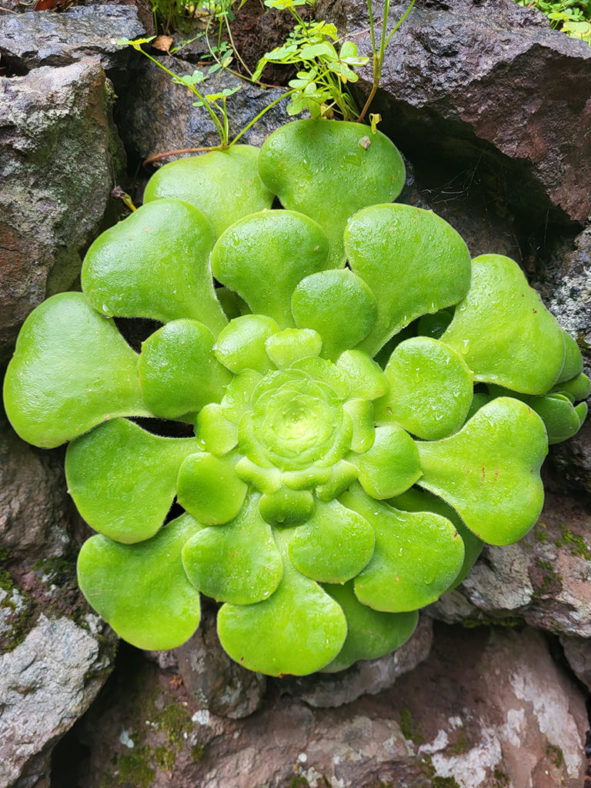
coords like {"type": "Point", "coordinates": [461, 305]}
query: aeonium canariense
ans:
{"type": "Point", "coordinates": [328, 495]}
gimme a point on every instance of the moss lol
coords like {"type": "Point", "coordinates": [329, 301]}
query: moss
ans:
{"type": "Point", "coordinates": [541, 533]}
{"type": "Point", "coordinates": [501, 779]}
{"type": "Point", "coordinates": [575, 543]}
{"type": "Point", "coordinates": [409, 730]}
{"type": "Point", "coordinates": [134, 768]}
{"type": "Point", "coordinates": [462, 742]}
{"type": "Point", "coordinates": [507, 621]}
{"type": "Point", "coordinates": [164, 758]}
{"type": "Point", "coordinates": [555, 754]}
{"type": "Point", "coordinates": [299, 781]}
{"type": "Point", "coordinates": [550, 581]}
{"type": "Point", "coordinates": [197, 753]}
{"type": "Point", "coordinates": [445, 782]}
{"type": "Point", "coordinates": [174, 720]}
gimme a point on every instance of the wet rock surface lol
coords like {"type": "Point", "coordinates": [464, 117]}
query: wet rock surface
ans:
{"type": "Point", "coordinates": [487, 708]}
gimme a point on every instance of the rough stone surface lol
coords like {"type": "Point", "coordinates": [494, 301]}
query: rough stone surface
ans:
{"type": "Point", "coordinates": [158, 115]}
{"type": "Point", "coordinates": [545, 578]}
{"type": "Point", "coordinates": [578, 655]}
{"type": "Point", "coordinates": [44, 38]}
{"type": "Point", "coordinates": [487, 708]}
{"type": "Point", "coordinates": [506, 102]}
{"type": "Point", "coordinates": [59, 158]}
{"type": "Point", "coordinates": [45, 684]}
{"type": "Point", "coordinates": [366, 677]}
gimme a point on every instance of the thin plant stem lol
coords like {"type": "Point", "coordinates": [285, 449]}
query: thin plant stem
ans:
{"type": "Point", "coordinates": [179, 152]}
{"type": "Point", "coordinates": [260, 115]}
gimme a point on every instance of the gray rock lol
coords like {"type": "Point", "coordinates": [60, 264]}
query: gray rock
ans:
{"type": "Point", "coordinates": [545, 578]}
{"type": "Point", "coordinates": [158, 115]}
{"type": "Point", "coordinates": [44, 38]}
{"type": "Point", "coordinates": [578, 655]}
{"type": "Point", "coordinates": [506, 101]}
{"type": "Point", "coordinates": [45, 684]}
{"type": "Point", "coordinates": [60, 154]}
{"type": "Point", "coordinates": [366, 677]}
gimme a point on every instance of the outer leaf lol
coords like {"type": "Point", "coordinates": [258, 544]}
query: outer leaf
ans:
{"type": "Point", "coordinates": [430, 389]}
{"type": "Point", "coordinates": [502, 326]}
{"type": "Point", "coordinates": [489, 471]}
{"type": "Point", "coordinates": [237, 562]}
{"type": "Point", "coordinates": [370, 634]}
{"type": "Point", "coordinates": [123, 479]}
{"type": "Point", "coordinates": [263, 257]}
{"type": "Point", "coordinates": [297, 630]}
{"type": "Point", "coordinates": [141, 590]}
{"type": "Point", "coordinates": [413, 261]}
{"type": "Point", "coordinates": [178, 371]}
{"type": "Point", "coordinates": [155, 263]}
{"type": "Point", "coordinates": [224, 185]}
{"type": "Point", "coordinates": [71, 370]}
{"type": "Point", "coordinates": [417, 556]}
{"type": "Point", "coordinates": [337, 304]}
{"type": "Point", "coordinates": [318, 167]}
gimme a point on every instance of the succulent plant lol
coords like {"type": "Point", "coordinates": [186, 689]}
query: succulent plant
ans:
{"type": "Point", "coordinates": [369, 405]}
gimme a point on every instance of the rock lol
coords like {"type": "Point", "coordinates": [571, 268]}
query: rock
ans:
{"type": "Point", "coordinates": [44, 38]}
{"type": "Point", "coordinates": [578, 655]}
{"type": "Point", "coordinates": [35, 510]}
{"type": "Point", "coordinates": [545, 578]}
{"type": "Point", "coordinates": [158, 115]}
{"type": "Point", "coordinates": [504, 103]}
{"type": "Point", "coordinates": [60, 153]}
{"type": "Point", "coordinates": [366, 677]}
{"type": "Point", "coordinates": [45, 683]}
{"type": "Point", "coordinates": [487, 708]}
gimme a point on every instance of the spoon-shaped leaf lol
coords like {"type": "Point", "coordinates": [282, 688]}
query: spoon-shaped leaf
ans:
{"type": "Point", "coordinates": [142, 590]}
{"type": "Point", "coordinates": [263, 256]}
{"type": "Point", "coordinates": [241, 344]}
{"type": "Point", "coordinates": [334, 545]}
{"type": "Point", "coordinates": [370, 633]}
{"type": "Point", "coordinates": [339, 305]}
{"type": "Point", "coordinates": [504, 332]}
{"type": "Point", "coordinates": [297, 630]}
{"type": "Point", "coordinates": [391, 466]}
{"type": "Point", "coordinates": [326, 170]}
{"type": "Point", "coordinates": [489, 471]}
{"type": "Point", "coordinates": [224, 185]}
{"type": "Point", "coordinates": [123, 479]}
{"type": "Point", "coordinates": [155, 263]}
{"type": "Point", "coordinates": [237, 562]}
{"type": "Point", "coordinates": [430, 389]}
{"type": "Point", "coordinates": [71, 370]}
{"type": "Point", "coordinates": [209, 488]}
{"type": "Point", "coordinates": [417, 556]}
{"type": "Point", "coordinates": [179, 372]}
{"type": "Point", "coordinates": [413, 261]}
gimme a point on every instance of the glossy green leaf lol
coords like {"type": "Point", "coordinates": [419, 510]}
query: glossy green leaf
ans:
{"type": "Point", "coordinates": [334, 545]}
{"type": "Point", "coordinates": [293, 344]}
{"type": "Point", "coordinates": [71, 370]}
{"type": "Point", "coordinates": [297, 630]}
{"type": "Point", "coordinates": [178, 371]}
{"type": "Point", "coordinates": [504, 332]}
{"type": "Point", "coordinates": [370, 633]}
{"type": "Point", "coordinates": [415, 500]}
{"type": "Point", "coordinates": [241, 345]}
{"type": "Point", "coordinates": [430, 389]}
{"type": "Point", "coordinates": [155, 263]}
{"type": "Point", "coordinates": [236, 400]}
{"type": "Point", "coordinates": [560, 417]}
{"type": "Point", "coordinates": [391, 466]}
{"type": "Point", "coordinates": [339, 305]}
{"type": "Point", "coordinates": [342, 476]}
{"type": "Point", "coordinates": [263, 257]}
{"type": "Point", "coordinates": [209, 488]}
{"type": "Point", "coordinates": [215, 433]}
{"type": "Point", "coordinates": [224, 185]}
{"type": "Point", "coordinates": [361, 413]}
{"type": "Point", "coordinates": [237, 562]}
{"type": "Point", "coordinates": [366, 377]}
{"type": "Point", "coordinates": [489, 471]}
{"type": "Point", "coordinates": [287, 506]}
{"type": "Point", "coordinates": [414, 262]}
{"type": "Point", "coordinates": [142, 590]}
{"type": "Point", "coordinates": [322, 169]}
{"type": "Point", "coordinates": [576, 389]}
{"type": "Point", "coordinates": [573, 360]}
{"type": "Point", "coordinates": [123, 479]}
{"type": "Point", "coordinates": [417, 556]}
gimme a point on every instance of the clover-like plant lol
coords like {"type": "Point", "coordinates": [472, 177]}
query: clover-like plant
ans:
{"type": "Point", "coordinates": [328, 495]}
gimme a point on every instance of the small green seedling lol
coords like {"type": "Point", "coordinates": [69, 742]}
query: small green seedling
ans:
{"type": "Point", "coordinates": [327, 497]}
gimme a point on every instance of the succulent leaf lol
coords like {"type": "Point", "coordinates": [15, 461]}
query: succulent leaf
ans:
{"type": "Point", "coordinates": [322, 169]}
{"type": "Point", "coordinates": [489, 471]}
{"type": "Point", "coordinates": [224, 185]}
{"type": "Point", "coordinates": [142, 590]}
{"type": "Point", "coordinates": [241, 344]}
{"type": "Point", "coordinates": [391, 466]}
{"type": "Point", "coordinates": [110, 475]}
{"type": "Point", "coordinates": [414, 262]}
{"type": "Point", "coordinates": [154, 264]}
{"type": "Point", "coordinates": [209, 488]}
{"type": "Point", "coordinates": [71, 370]}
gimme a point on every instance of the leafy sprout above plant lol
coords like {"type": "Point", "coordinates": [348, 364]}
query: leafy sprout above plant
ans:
{"type": "Point", "coordinates": [327, 497]}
